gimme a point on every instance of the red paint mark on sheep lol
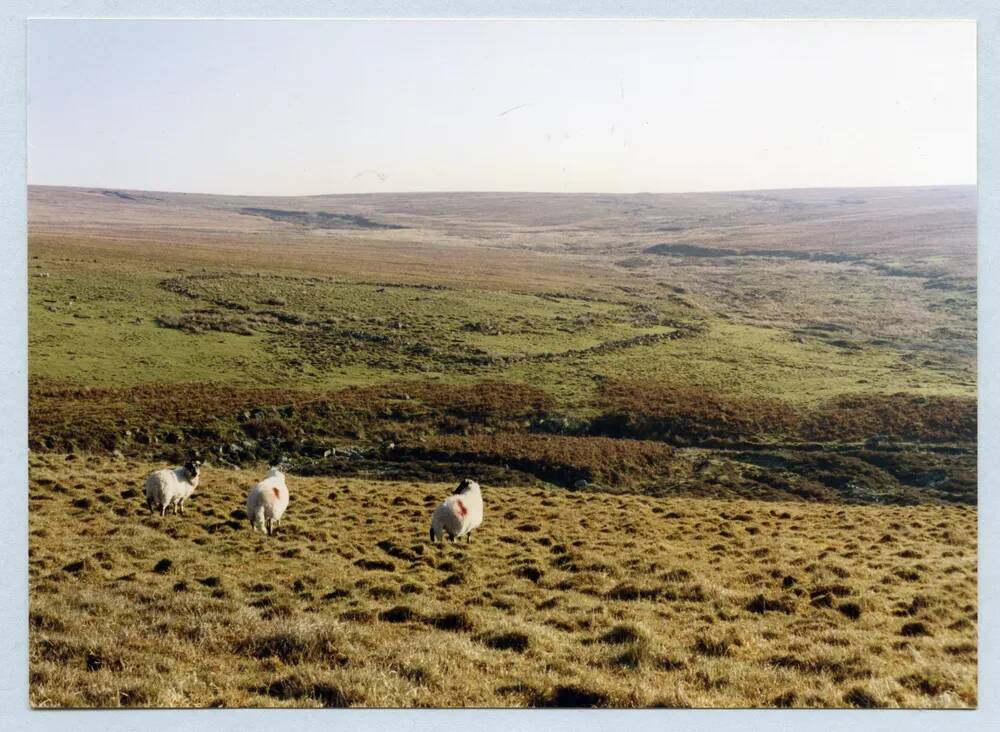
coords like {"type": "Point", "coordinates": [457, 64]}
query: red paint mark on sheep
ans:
{"type": "Point", "coordinates": [277, 491]}
{"type": "Point", "coordinates": [462, 510]}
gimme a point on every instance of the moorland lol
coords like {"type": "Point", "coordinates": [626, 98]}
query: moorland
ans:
{"type": "Point", "coordinates": [727, 443]}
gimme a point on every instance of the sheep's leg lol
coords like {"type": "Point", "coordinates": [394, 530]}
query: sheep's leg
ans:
{"type": "Point", "coordinates": [468, 538]}
{"type": "Point", "coordinates": [176, 503]}
{"type": "Point", "coordinates": [180, 505]}
{"type": "Point", "coordinates": [163, 509]}
{"type": "Point", "coordinates": [268, 526]}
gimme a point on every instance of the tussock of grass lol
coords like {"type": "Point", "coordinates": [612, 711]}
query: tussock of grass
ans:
{"type": "Point", "coordinates": [621, 634]}
{"type": "Point", "coordinates": [300, 643]}
{"type": "Point", "coordinates": [509, 641]}
{"type": "Point", "coordinates": [454, 621]}
{"type": "Point", "coordinates": [306, 689]}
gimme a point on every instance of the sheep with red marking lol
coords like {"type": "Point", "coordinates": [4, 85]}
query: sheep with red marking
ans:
{"type": "Point", "coordinates": [171, 487]}
{"type": "Point", "coordinates": [459, 514]}
{"type": "Point", "coordinates": [267, 502]}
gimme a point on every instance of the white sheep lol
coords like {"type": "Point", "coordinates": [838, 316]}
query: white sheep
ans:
{"type": "Point", "coordinates": [172, 487]}
{"type": "Point", "coordinates": [267, 502]}
{"type": "Point", "coordinates": [459, 514]}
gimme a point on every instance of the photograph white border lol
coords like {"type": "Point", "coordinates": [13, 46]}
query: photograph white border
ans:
{"type": "Point", "coordinates": [15, 713]}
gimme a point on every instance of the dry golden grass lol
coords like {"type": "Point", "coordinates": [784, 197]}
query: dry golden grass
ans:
{"type": "Point", "coordinates": [562, 598]}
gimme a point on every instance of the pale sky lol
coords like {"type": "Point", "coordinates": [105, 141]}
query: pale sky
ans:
{"type": "Point", "coordinates": [313, 107]}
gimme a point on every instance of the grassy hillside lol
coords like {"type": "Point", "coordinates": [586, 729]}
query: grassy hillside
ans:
{"type": "Point", "coordinates": [727, 443]}
{"type": "Point", "coordinates": [561, 599]}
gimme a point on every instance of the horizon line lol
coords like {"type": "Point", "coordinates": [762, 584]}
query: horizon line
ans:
{"type": "Point", "coordinates": [523, 192]}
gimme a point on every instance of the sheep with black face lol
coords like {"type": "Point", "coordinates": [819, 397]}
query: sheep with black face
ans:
{"type": "Point", "coordinates": [172, 487]}
{"type": "Point", "coordinates": [459, 514]}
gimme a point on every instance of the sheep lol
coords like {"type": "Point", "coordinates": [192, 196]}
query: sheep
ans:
{"type": "Point", "coordinates": [172, 487]}
{"type": "Point", "coordinates": [267, 501]}
{"type": "Point", "coordinates": [459, 514]}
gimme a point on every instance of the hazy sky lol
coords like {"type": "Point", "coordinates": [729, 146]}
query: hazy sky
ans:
{"type": "Point", "coordinates": [309, 107]}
